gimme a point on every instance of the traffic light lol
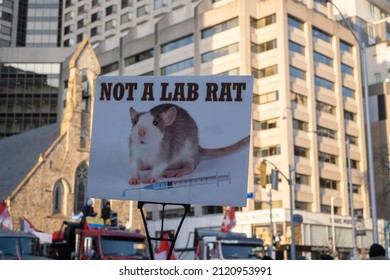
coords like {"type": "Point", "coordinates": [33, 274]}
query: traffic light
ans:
{"type": "Point", "coordinates": [275, 179]}
{"type": "Point", "coordinates": [263, 174]}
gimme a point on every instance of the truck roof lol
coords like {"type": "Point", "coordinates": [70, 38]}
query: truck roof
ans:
{"type": "Point", "coordinates": [13, 233]}
{"type": "Point", "coordinates": [227, 237]}
{"type": "Point", "coordinates": [112, 232]}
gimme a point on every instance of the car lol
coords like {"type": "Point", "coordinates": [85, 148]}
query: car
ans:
{"type": "Point", "coordinates": [18, 245]}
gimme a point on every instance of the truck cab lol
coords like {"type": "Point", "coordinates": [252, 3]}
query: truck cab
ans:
{"type": "Point", "coordinates": [18, 245]}
{"type": "Point", "coordinates": [212, 244]}
{"type": "Point", "coordinates": [74, 242]}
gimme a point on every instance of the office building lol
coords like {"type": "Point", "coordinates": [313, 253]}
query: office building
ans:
{"type": "Point", "coordinates": [30, 65]}
{"type": "Point", "coordinates": [300, 125]}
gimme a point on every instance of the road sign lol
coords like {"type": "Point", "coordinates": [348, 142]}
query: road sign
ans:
{"type": "Point", "coordinates": [298, 219]}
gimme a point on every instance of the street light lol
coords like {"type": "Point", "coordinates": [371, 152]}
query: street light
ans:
{"type": "Point", "coordinates": [291, 169]}
{"type": "Point", "coordinates": [368, 128]}
{"type": "Point", "coordinates": [350, 188]}
{"type": "Point", "coordinates": [333, 229]}
{"type": "Point", "coordinates": [289, 180]}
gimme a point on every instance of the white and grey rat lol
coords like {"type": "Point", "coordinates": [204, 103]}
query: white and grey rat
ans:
{"type": "Point", "coordinates": [165, 140]}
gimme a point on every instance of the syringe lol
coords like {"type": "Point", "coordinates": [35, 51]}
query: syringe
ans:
{"type": "Point", "coordinates": [208, 180]}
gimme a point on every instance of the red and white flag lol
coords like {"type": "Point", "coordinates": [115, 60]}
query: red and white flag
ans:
{"type": "Point", "coordinates": [163, 250]}
{"type": "Point", "coordinates": [229, 219]}
{"type": "Point", "coordinates": [5, 217]}
{"type": "Point", "coordinates": [28, 226]}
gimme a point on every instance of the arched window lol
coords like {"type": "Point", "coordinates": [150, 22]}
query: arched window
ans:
{"type": "Point", "coordinates": [58, 199]}
{"type": "Point", "coordinates": [80, 187]}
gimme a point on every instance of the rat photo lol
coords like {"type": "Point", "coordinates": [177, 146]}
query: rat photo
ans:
{"type": "Point", "coordinates": [165, 141]}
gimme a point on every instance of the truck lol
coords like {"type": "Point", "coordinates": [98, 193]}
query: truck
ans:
{"type": "Point", "coordinates": [214, 244]}
{"type": "Point", "coordinates": [73, 241]}
{"type": "Point", "coordinates": [19, 245]}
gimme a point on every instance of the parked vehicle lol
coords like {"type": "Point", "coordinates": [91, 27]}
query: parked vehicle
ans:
{"type": "Point", "coordinates": [74, 242]}
{"type": "Point", "coordinates": [18, 245]}
{"type": "Point", "coordinates": [214, 244]}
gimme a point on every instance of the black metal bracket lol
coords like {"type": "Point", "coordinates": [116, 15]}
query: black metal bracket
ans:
{"type": "Point", "coordinates": [141, 204]}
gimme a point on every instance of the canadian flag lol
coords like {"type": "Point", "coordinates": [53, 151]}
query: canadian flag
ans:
{"type": "Point", "coordinates": [163, 250]}
{"type": "Point", "coordinates": [229, 219]}
{"type": "Point", "coordinates": [28, 226]}
{"type": "Point", "coordinates": [5, 217]}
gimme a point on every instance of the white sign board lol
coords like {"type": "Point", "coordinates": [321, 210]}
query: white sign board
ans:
{"type": "Point", "coordinates": [171, 139]}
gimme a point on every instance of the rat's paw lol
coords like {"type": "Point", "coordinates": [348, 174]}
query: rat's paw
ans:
{"type": "Point", "coordinates": [134, 181]}
{"type": "Point", "coordinates": [150, 180]}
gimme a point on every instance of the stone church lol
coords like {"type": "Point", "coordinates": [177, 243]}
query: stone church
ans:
{"type": "Point", "coordinates": [44, 172]}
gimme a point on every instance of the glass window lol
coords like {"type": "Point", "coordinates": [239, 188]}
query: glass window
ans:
{"type": "Point", "coordinates": [268, 124]}
{"type": "Point", "coordinates": [352, 139]}
{"type": "Point", "coordinates": [178, 43]}
{"type": "Point", "coordinates": [329, 184]}
{"type": "Point", "coordinates": [111, 10]}
{"type": "Point", "coordinates": [320, 58]}
{"type": "Point", "coordinates": [126, 3]}
{"type": "Point", "coordinates": [326, 108]}
{"type": "Point", "coordinates": [346, 70]}
{"type": "Point", "coordinates": [139, 57]}
{"type": "Point", "coordinates": [96, 16]}
{"type": "Point", "coordinates": [349, 116]}
{"type": "Point", "coordinates": [126, 17]}
{"type": "Point", "coordinates": [322, 35]}
{"type": "Point", "coordinates": [347, 92]}
{"type": "Point", "coordinates": [58, 197]}
{"type": "Point", "coordinates": [143, 10]}
{"type": "Point", "coordinates": [301, 152]}
{"type": "Point", "coordinates": [297, 73]}
{"type": "Point", "coordinates": [263, 47]}
{"type": "Point", "coordinates": [159, 4]}
{"type": "Point", "coordinates": [178, 66]}
{"type": "Point", "coordinates": [298, 98]}
{"type": "Point", "coordinates": [326, 132]}
{"type": "Point", "coordinates": [321, 82]}
{"type": "Point", "coordinates": [345, 47]}
{"type": "Point", "coordinates": [294, 22]}
{"type": "Point", "coordinates": [325, 157]}
{"type": "Point", "coordinates": [302, 179]}
{"type": "Point", "coordinates": [111, 24]}
{"type": "Point", "coordinates": [300, 125]}
{"type": "Point", "coordinates": [265, 97]}
{"type": "Point", "coordinates": [209, 56]}
{"type": "Point", "coordinates": [262, 22]}
{"type": "Point", "coordinates": [226, 25]}
{"type": "Point", "coordinates": [81, 178]}
{"type": "Point", "coordinates": [265, 72]}
{"type": "Point", "coordinates": [295, 47]}
{"type": "Point", "coordinates": [270, 151]}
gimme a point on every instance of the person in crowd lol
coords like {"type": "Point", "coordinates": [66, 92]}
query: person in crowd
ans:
{"type": "Point", "coordinates": [325, 257]}
{"type": "Point", "coordinates": [377, 252]}
{"type": "Point", "coordinates": [106, 213]}
{"type": "Point", "coordinates": [88, 211]}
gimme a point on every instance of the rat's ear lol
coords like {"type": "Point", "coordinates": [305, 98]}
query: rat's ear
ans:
{"type": "Point", "coordinates": [169, 116]}
{"type": "Point", "coordinates": [133, 114]}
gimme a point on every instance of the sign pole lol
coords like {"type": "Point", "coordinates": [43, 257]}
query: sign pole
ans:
{"type": "Point", "coordinates": [172, 241]}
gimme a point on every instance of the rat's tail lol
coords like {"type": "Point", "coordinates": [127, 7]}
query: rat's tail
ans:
{"type": "Point", "coordinates": [224, 150]}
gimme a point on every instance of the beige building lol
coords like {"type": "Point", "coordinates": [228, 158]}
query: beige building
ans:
{"type": "Point", "coordinates": [300, 125]}
{"type": "Point", "coordinates": [44, 172]}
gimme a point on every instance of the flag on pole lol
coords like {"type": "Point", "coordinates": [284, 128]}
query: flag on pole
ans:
{"type": "Point", "coordinates": [229, 219]}
{"type": "Point", "coordinates": [5, 217]}
{"type": "Point", "coordinates": [28, 226]}
{"type": "Point", "coordinates": [163, 250]}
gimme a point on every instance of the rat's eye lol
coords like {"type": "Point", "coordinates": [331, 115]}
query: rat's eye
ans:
{"type": "Point", "coordinates": [155, 122]}
{"type": "Point", "coordinates": [135, 122]}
